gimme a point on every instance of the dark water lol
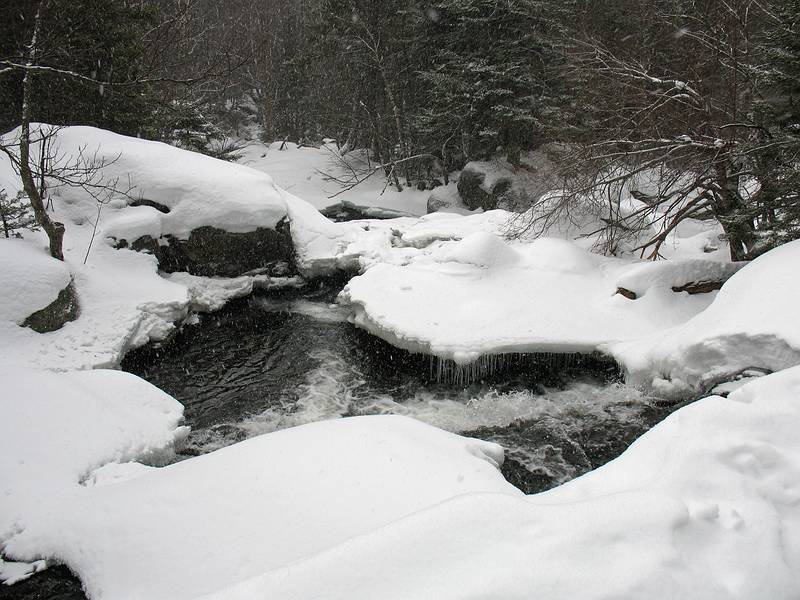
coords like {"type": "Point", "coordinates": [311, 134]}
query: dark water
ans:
{"type": "Point", "coordinates": [267, 363]}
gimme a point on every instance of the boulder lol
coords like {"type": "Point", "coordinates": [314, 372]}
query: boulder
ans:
{"type": "Point", "coordinates": [445, 198]}
{"type": "Point", "coordinates": [56, 314]}
{"type": "Point", "coordinates": [212, 252]}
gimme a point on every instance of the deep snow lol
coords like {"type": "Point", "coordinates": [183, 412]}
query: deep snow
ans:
{"type": "Point", "coordinates": [705, 505]}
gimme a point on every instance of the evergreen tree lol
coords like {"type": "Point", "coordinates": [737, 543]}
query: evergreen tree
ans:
{"type": "Point", "coordinates": [493, 80]}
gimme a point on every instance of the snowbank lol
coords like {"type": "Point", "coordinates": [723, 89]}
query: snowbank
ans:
{"type": "Point", "coordinates": [705, 505]}
{"type": "Point", "coordinates": [484, 295]}
{"type": "Point", "coordinates": [29, 279]}
{"type": "Point", "coordinates": [751, 323]}
{"type": "Point", "coordinates": [209, 522]}
{"type": "Point", "coordinates": [123, 301]}
{"type": "Point", "coordinates": [197, 190]}
{"type": "Point", "coordinates": [56, 428]}
{"type": "Point", "coordinates": [306, 172]}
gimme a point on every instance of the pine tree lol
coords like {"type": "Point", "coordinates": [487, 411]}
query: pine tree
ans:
{"type": "Point", "coordinates": [492, 82]}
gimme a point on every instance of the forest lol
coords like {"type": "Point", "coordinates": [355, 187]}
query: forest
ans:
{"type": "Point", "coordinates": [706, 91]}
{"type": "Point", "coordinates": [399, 299]}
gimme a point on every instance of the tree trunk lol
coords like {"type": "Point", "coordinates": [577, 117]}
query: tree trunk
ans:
{"type": "Point", "coordinates": [53, 229]}
{"type": "Point", "coordinates": [729, 209]}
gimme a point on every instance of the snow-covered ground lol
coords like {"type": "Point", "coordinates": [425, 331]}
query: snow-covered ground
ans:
{"type": "Point", "coordinates": [705, 505]}
{"type": "Point", "coordinates": [307, 172]}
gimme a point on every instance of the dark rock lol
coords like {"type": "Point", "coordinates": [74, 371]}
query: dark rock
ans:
{"type": "Point", "coordinates": [213, 252]}
{"type": "Point", "coordinates": [53, 316]}
{"type": "Point", "coordinates": [699, 287]}
{"type": "Point", "coordinates": [54, 583]}
{"type": "Point", "coordinates": [627, 293]}
{"type": "Point", "coordinates": [470, 188]}
{"type": "Point", "coordinates": [150, 203]}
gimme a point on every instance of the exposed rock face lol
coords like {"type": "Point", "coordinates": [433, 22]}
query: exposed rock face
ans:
{"type": "Point", "coordinates": [210, 252]}
{"type": "Point", "coordinates": [53, 316]}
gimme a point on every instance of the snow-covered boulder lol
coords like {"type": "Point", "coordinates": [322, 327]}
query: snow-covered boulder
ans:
{"type": "Point", "coordinates": [193, 212]}
{"type": "Point", "coordinates": [210, 522]}
{"type": "Point", "coordinates": [482, 295]}
{"type": "Point", "coordinates": [55, 429]}
{"type": "Point", "coordinates": [36, 288]}
{"type": "Point", "coordinates": [752, 322]}
{"type": "Point", "coordinates": [499, 184]}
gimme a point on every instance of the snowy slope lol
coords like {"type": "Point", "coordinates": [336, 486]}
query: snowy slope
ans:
{"type": "Point", "coordinates": [306, 172]}
{"type": "Point", "coordinates": [57, 428]}
{"type": "Point", "coordinates": [705, 506]}
{"type": "Point", "coordinates": [753, 322]}
{"type": "Point", "coordinates": [206, 523]}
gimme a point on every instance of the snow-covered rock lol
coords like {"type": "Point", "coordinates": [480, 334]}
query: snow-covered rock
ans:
{"type": "Point", "coordinates": [30, 279]}
{"type": "Point", "coordinates": [207, 523]}
{"type": "Point", "coordinates": [752, 322]}
{"type": "Point", "coordinates": [484, 295]}
{"type": "Point", "coordinates": [56, 428]}
{"type": "Point", "coordinates": [197, 190]}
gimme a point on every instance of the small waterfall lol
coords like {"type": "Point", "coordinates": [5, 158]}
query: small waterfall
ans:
{"type": "Point", "coordinates": [447, 371]}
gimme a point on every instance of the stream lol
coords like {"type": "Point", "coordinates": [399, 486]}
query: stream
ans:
{"type": "Point", "coordinates": [274, 361]}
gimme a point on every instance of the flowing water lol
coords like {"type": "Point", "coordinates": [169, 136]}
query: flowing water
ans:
{"type": "Point", "coordinates": [271, 362]}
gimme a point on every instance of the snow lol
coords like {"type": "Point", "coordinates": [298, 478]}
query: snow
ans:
{"type": "Point", "coordinates": [752, 322]}
{"type": "Point", "coordinates": [705, 505]}
{"type": "Point", "coordinates": [305, 172]}
{"type": "Point", "coordinates": [484, 295]}
{"type": "Point", "coordinates": [198, 190]}
{"type": "Point", "coordinates": [61, 426]}
{"type": "Point", "coordinates": [30, 279]}
{"type": "Point", "coordinates": [123, 301]}
{"type": "Point", "coordinates": [206, 523]}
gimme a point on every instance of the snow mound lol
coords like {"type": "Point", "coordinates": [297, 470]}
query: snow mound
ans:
{"type": "Point", "coordinates": [447, 299]}
{"type": "Point", "coordinates": [205, 524]}
{"type": "Point", "coordinates": [675, 273]}
{"type": "Point", "coordinates": [751, 323]}
{"type": "Point", "coordinates": [480, 249]}
{"type": "Point", "coordinates": [705, 505]}
{"type": "Point", "coordinates": [30, 279]}
{"type": "Point", "coordinates": [197, 190]}
{"type": "Point", "coordinates": [57, 428]}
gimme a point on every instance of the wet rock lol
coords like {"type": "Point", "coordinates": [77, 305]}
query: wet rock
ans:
{"type": "Point", "coordinates": [56, 314]}
{"type": "Point", "coordinates": [212, 252]}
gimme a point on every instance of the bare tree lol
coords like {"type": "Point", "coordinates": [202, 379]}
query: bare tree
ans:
{"type": "Point", "coordinates": [683, 120]}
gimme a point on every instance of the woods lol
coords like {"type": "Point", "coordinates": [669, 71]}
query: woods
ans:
{"type": "Point", "coordinates": [703, 93]}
